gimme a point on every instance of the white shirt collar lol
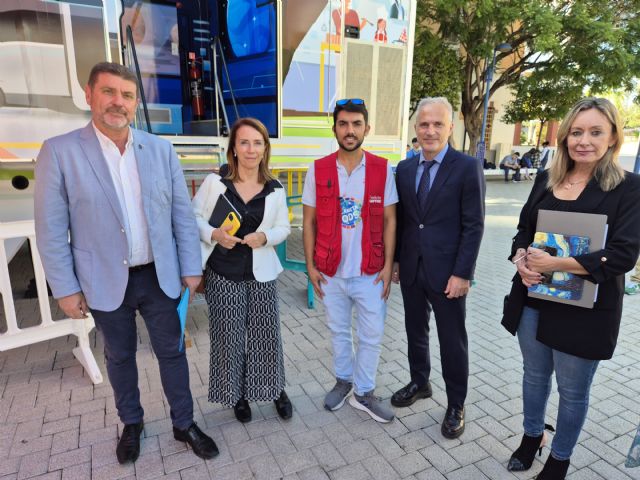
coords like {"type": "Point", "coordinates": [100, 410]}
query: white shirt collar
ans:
{"type": "Point", "coordinates": [106, 142]}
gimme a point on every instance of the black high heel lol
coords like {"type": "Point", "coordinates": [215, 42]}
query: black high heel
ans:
{"type": "Point", "coordinates": [554, 469]}
{"type": "Point", "coordinates": [523, 457]}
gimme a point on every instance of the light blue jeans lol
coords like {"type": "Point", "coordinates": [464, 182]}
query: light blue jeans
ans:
{"type": "Point", "coordinates": [340, 296]}
{"type": "Point", "coordinates": [573, 375]}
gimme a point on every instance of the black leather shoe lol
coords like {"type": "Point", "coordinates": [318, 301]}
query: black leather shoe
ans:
{"type": "Point", "coordinates": [283, 406]}
{"type": "Point", "coordinates": [242, 411]}
{"type": "Point", "coordinates": [408, 394]}
{"type": "Point", "coordinates": [128, 448]}
{"type": "Point", "coordinates": [453, 423]}
{"type": "Point", "coordinates": [201, 444]}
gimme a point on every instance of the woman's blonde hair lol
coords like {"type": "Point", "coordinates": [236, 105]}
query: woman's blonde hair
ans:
{"type": "Point", "coordinates": [264, 175]}
{"type": "Point", "coordinates": [608, 172]}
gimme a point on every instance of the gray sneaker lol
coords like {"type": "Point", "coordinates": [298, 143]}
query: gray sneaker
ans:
{"type": "Point", "coordinates": [373, 406]}
{"type": "Point", "coordinates": [338, 394]}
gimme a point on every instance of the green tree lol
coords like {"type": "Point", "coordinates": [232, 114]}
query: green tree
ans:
{"type": "Point", "coordinates": [539, 98]}
{"type": "Point", "coordinates": [628, 104]}
{"type": "Point", "coordinates": [436, 68]}
{"type": "Point", "coordinates": [585, 42]}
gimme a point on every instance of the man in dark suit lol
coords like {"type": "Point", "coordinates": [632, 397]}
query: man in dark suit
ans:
{"type": "Point", "coordinates": [440, 226]}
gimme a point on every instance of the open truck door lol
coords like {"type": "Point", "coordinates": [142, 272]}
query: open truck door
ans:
{"type": "Point", "coordinates": [205, 64]}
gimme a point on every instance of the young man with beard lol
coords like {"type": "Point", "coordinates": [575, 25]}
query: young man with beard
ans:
{"type": "Point", "coordinates": [349, 202]}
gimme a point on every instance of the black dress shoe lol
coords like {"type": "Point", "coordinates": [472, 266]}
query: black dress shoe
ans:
{"type": "Point", "coordinates": [408, 394]}
{"type": "Point", "coordinates": [201, 444]}
{"type": "Point", "coordinates": [453, 423]}
{"type": "Point", "coordinates": [283, 406]}
{"type": "Point", "coordinates": [242, 411]}
{"type": "Point", "coordinates": [128, 448]}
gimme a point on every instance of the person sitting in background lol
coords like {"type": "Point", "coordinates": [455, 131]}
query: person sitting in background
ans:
{"type": "Point", "coordinates": [535, 160]}
{"type": "Point", "coordinates": [526, 162]}
{"type": "Point", "coordinates": [586, 177]}
{"type": "Point", "coordinates": [545, 156]}
{"type": "Point", "coordinates": [511, 162]}
{"type": "Point", "coordinates": [246, 359]}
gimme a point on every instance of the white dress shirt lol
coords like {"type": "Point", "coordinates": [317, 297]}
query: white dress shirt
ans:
{"type": "Point", "coordinates": [124, 173]}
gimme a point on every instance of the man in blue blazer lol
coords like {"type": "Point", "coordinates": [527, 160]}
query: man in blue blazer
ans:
{"type": "Point", "coordinates": [116, 233]}
{"type": "Point", "coordinates": [440, 226]}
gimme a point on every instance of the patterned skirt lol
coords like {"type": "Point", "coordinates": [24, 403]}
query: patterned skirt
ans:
{"type": "Point", "coordinates": [246, 359]}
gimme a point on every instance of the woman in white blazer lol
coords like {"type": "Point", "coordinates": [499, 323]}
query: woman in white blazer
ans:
{"type": "Point", "coordinates": [246, 359]}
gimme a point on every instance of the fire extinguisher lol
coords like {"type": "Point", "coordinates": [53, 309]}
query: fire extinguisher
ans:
{"type": "Point", "coordinates": [195, 86]}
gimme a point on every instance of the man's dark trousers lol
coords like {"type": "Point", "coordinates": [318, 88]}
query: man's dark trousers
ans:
{"type": "Point", "coordinates": [118, 328]}
{"type": "Point", "coordinates": [419, 299]}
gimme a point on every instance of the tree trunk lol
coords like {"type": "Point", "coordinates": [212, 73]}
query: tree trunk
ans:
{"type": "Point", "coordinates": [473, 125]}
{"type": "Point", "coordinates": [473, 142]}
{"type": "Point", "coordinates": [471, 106]}
{"type": "Point", "coordinates": [542, 122]}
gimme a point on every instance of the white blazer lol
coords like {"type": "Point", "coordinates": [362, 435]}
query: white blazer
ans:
{"type": "Point", "coordinates": [275, 225]}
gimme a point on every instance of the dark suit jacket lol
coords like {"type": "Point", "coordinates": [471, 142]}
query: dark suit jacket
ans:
{"type": "Point", "coordinates": [447, 234]}
{"type": "Point", "coordinates": [586, 333]}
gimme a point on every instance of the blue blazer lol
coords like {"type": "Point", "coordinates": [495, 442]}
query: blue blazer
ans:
{"type": "Point", "coordinates": [448, 233]}
{"type": "Point", "coordinates": [80, 229]}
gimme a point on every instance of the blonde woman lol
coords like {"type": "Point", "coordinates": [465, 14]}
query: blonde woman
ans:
{"type": "Point", "coordinates": [246, 360]}
{"type": "Point", "coordinates": [584, 177]}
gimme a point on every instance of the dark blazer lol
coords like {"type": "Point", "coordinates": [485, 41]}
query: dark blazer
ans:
{"type": "Point", "coordinates": [447, 234]}
{"type": "Point", "coordinates": [586, 333]}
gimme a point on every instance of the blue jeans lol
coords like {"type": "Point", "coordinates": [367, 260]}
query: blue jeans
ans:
{"type": "Point", "coordinates": [340, 296]}
{"type": "Point", "coordinates": [573, 375]}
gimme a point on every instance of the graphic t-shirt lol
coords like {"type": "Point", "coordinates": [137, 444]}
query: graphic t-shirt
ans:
{"type": "Point", "coordinates": [351, 212]}
{"type": "Point", "coordinates": [351, 199]}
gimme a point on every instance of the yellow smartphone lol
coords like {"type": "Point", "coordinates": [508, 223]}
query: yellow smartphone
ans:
{"type": "Point", "coordinates": [233, 220]}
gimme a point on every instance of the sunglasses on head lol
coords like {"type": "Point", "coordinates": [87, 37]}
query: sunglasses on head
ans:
{"type": "Point", "coordinates": [347, 101]}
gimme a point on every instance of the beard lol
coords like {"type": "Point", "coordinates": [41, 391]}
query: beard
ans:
{"type": "Point", "coordinates": [356, 146]}
{"type": "Point", "coordinates": [115, 122]}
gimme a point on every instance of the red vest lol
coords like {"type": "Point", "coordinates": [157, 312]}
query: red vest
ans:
{"type": "Point", "coordinates": [328, 247]}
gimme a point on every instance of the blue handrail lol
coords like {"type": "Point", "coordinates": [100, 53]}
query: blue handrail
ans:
{"type": "Point", "coordinates": [292, 264]}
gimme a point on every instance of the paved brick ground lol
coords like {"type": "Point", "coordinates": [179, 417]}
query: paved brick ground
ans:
{"type": "Point", "coordinates": [55, 424]}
